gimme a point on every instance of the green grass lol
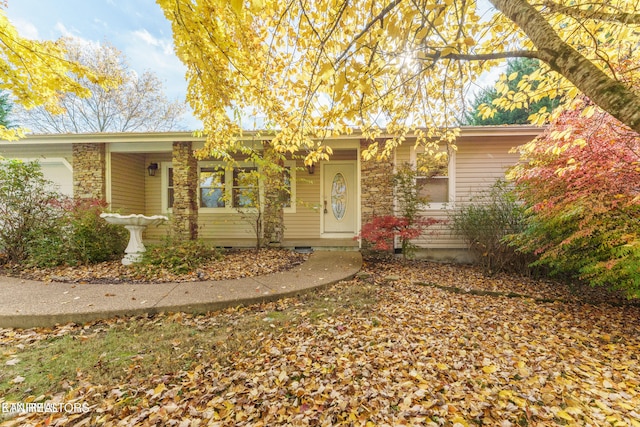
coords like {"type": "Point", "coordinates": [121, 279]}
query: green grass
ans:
{"type": "Point", "coordinates": [113, 352]}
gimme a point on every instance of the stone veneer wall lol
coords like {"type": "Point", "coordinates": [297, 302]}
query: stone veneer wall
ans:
{"type": "Point", "coordinates": [185, 185]}
{"type": "Point", "coordinates": [273, 184]}
{"type": "Point", "coordinates": [89, 171]}
{"type": "Point", "coordinates": [376, 183]}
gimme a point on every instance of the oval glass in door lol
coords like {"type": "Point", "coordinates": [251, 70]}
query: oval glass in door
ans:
{"type": "Point", "coordinates": [339, 196]}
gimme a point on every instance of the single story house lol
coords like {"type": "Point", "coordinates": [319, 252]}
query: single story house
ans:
{"type": "Point", "coordinates": [157, 173]}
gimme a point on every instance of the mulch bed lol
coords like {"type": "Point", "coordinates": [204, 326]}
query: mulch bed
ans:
{"type": "Point", "coordinates": [234, 264]}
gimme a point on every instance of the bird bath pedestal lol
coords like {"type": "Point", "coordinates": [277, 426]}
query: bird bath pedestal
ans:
{"type": "Point", "coordinates": [136, 224]}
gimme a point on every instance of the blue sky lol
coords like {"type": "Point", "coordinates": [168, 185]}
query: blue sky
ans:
{"type": "Point", "coordinates": [137, 27]}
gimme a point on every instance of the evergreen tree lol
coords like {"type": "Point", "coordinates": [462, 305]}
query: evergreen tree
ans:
{"type": "Point", "coordinates": [5, 110]}
{"type": "Point", "coordinates": [519, 116]}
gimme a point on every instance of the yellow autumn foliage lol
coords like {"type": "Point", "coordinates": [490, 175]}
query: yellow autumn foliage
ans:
{"type": "Point", "coordinates": [36, 72]}
{"type": "Point", "coordinates": [312, 69]}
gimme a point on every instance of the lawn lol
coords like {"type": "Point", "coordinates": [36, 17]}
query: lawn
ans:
{"type": "Point", "coordinates": [401, 344]}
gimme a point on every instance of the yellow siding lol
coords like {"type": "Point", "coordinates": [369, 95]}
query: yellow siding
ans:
{"type": "Point", "coordinates": [305, 223]}
{"type": "Point", "coordinates": [127, 183]}
{"type": "Point", "coordinates": [153, 194]}
{"type": "Point", "coordinates": [230, 226]}
{"type": "Point", "coordinates": [479, 165]}
{"type": "Point", "coordinates": [479, 162]}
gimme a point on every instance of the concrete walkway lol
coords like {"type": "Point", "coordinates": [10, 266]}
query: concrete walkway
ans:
{"type": "Point", "coordinates": [28, 304]}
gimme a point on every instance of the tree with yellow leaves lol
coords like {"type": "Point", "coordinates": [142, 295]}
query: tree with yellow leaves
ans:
{"type": "Point", "coordinates": [319, 68]}
{"type": "Point", "coordinates": [37, 73]}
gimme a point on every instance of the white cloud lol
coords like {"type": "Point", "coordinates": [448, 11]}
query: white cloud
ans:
{"type": "Point", "coordinates": [64, 31]}
{"type": "Point", "coordinates": [26, 29]}
{"type": "Point", "coordinates": [147, 52]}
{"type": "Point", "coordinates": [148, 38]}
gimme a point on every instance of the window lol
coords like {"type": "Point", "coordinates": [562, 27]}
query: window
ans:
{"type": "Point", "coordinates": [212, 187]}
{"type": "Point", "coordinates": [223, 189]}
{"type": "Point", "coordinates": [170, 194]}
{"type": "Point", "coordinates": [288, 189]}
{"type": "Point", "coordinates": [245, 187]}
{"type": "Point", "coordinates": [433, 177]}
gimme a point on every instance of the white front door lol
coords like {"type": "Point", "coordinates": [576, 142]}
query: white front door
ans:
{"type": "Point", "coordinates": [339, 197]}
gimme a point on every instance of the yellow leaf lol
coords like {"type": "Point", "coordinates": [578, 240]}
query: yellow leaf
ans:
{"type": "Point", "coordinates": [489, 369]}
{"type": "Point", "coordinates": [563, 415]}
{"type": "Point", "coordinates": [519, 401]}
{"type": "Point", "coordinates": [159, 389]}
{"type": "Point", "coordinates": [459, 421]}
{"type": "Point", "coordinates": [589, 111]}
{"type": "Point", "coordinates": [505, 394]}
{"type": "Point", "coordinates": [257, 4]}
{"type": "Point", "coordinates": [513, 76]}
{"type": "Point", "coordinates": [580, 142]}
{"type": "Point", "coordinates": [605, 408]}
{"type": "Point", "coordinates": [442, 366]}
{"type": "Point", "coordinates": [625, 406]}
{"type": "Point", "coordinates": [326, 71]}
{"type": "Point", "coordinates": [422, 33]}
{"type": "Point", "coordinates": [237, 6]}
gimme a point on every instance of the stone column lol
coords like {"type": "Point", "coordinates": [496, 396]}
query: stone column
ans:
{"type": "Point", "coordinates": [89, 171]}
{"type": "Point", "coordinates": [185, 187]}
{"type": "Point", "coordinates": [376, 186]}
{"type": "Point", "coordinates": [273, 211]}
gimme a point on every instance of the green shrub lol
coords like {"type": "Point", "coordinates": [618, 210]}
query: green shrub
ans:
{"type": "Point", "coordinates": [178, 256]}
{"type": "Point", "coordinates": [79, 236]}
{"type": "Point", "coordinates": [93, 239]}
{"type": "Point", "coordinates": [29, 208]}
{"type": "Point", "coordinates": [485, 225]}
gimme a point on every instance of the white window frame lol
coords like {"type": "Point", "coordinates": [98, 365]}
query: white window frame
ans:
{"type": "Point", "coordinates": [164, 183]}
{"type": "Point", "coordinates": [449, 204]}
{"type": "Point", "coordinates": [291, 164]}
{"type": "Point", "coordinates": [228, 179]}
{"type": "Point", "coordinates": [229, 187]}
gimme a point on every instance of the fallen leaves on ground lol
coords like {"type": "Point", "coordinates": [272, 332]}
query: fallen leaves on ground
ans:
{"type": "Point", "coordinates": [417, 355]}
{"type": "Point", "coordinates": [234, 264]}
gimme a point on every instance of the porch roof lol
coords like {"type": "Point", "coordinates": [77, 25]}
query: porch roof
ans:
{"type": "Point", "coordinates": [168, 137]}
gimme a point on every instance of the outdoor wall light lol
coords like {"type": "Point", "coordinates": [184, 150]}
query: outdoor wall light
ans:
{"type": "Point", "coordinates": [311, 168]}
{"type": "Point", "coordinates": [152, 168]}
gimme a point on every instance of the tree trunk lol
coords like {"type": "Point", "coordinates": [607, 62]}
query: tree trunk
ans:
{"type": "Point", "coordinates": [616, 98]}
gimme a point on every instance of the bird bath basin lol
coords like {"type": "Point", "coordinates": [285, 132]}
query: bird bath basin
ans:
{"type": "Point", "coordinates": [136, 224]}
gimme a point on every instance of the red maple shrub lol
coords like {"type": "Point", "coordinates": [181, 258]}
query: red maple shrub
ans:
{"type": "Point", "coordinates": [581, 183]}
{"type": "Point", "coordinates": [382, 231]}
